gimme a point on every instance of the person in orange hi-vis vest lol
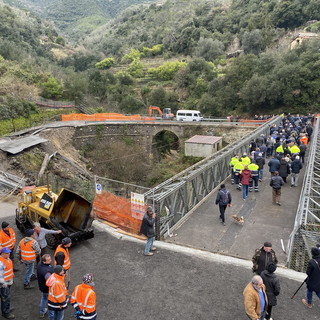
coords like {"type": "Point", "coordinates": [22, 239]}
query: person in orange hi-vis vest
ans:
{"type": "Point", "coordinates": [6, 281]}
{"type": "Point", "coordinates": [83, 299]}
{"type": "Point", "coordinates": [61, 255]}
{"type": "Point", "coordinates": [27, 252]}
{"type": "Point", "coordinates": [304, 139]}
{"type": "Point", "coordinates": [7, 238]}
{"type": "Point", "coordinates": [58, 294]}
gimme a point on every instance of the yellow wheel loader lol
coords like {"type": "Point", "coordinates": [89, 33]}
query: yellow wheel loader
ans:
{"type": "Point", "coordinates": [66, 211]}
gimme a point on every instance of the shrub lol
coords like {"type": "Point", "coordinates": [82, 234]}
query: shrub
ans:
{"type": "Point", "coordinates": [134, 54]}
{"type": "Point", "coordinates": [154, 51]}
{"type": "Point", "coordinates": [167, 70]}
{"type": "Point", "coordinates": [105, 64]}
{"type": "Point", "coordinates": [51, 88]}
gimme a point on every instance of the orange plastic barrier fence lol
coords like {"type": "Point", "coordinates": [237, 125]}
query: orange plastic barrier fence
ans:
{"type": "Point", "coordinates": [98, 117]}
{"type": "Point", "coordinates": [117, 210]}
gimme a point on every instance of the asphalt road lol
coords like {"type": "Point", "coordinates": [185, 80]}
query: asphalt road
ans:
{"type": "Point", "coordinates": [169, 285]}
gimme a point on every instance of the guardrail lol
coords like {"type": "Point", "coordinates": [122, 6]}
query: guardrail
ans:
{"type": "Point", "coordinates": [174, 199]}
{"type": "Point", "coordinates": [306, 230]}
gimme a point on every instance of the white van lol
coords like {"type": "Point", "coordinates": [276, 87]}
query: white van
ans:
{"type": "Point", "coordinates": [189, 115]}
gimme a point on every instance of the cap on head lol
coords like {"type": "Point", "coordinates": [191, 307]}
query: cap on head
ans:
{"type": "Point", "coordinates": [87, 278]}
{"type": "Point", "coordinates": [297, 157]}
{"type": "Point", "coordinates": [267, 244]}
{"type": "Point", "coordinates": [149, 209]}
{"type": "Point", "coordinates": [66, 240]}
{"type": "Point", "coordinates": [5, 250]}
{"type": "Point", "coordinates": [29, 232]}
{"type": "Point", "coordinates": [57, 269]}
{"type": "Point", "coordinates": [271, 267]}
{"type": "Point", "coordinates": [315, 252]}
{"type": "Point", "coordinates": [4, 224]}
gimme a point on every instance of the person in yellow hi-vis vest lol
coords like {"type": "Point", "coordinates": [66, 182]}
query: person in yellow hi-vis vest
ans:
{"type": "Point", "coordinates": [254, 168]}
{"type": "Point", "coordinates": [232, 162]}
{"type": "Point", "coordinates": [238, 167]}
{"type": "Point", "coordinates": [245, 159]}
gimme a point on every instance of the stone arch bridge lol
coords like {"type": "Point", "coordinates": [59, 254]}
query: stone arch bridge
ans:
{"type": "Point", "coordinates": [145, 132]}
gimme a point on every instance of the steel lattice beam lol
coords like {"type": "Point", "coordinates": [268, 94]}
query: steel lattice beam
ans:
{"type": "Point", "coordinates": [306, 231]}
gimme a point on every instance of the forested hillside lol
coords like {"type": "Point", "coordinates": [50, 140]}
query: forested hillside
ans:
{"type": "Point", "coordinates": [220, 57]}
{"type": "Point", "coordinates": [266, 77]}
{"type": "Point", "coordinates": [27, 64]}
{"type": "Point", "coordinates": [76, 18]}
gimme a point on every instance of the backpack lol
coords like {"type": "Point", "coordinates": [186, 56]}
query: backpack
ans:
{"type": "Point", "coordinates": [225, 197]}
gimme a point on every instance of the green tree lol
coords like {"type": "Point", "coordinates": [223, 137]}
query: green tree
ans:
{"type": "Point", "coordinates": [136, 69]}
{"type": "Point", "coordinates": [252, 42]}
{"type": "Point", "coordinates": [288, 14]}
{"type": "Point", "coordinates": [51, 88]}
{"type": "Point", "coordinates": [130, 104]}
{"type": "Point", "coordinates": [158, 97]}
{"type": "Point", "coordinates": [254, 93]}
{"type": "Point", "coordinates": [100, 84]}
{"type": "Point", "coordinates": [75, 87]}
{"type": "Point", "coordinates": [60, 40]}
{"type": "Point", "coordinates": [124, 78]}
{"type": "Point", "coordinates": [209, 49]}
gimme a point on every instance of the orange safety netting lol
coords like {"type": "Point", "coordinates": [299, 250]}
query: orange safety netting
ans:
{"type": "Point", "coordinates": [117, 210]}
{"type": "Point", "coordinates": [99, 117]}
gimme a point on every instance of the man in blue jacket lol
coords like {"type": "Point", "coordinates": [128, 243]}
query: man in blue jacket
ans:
{"type": "Point", "coordinates": [296, 166]}
{"type": "Point", "coordinates": [44, 271]}
{"type": "Point", "coordinates": [274, 165]}
{"type": "Point", "coordinates": [223, 200]}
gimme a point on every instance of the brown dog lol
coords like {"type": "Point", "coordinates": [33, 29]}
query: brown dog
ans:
{"type": "Point", "coordinates": [239, 220]}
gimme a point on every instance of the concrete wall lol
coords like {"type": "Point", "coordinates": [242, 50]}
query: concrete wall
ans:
{"type": "Point", "coordinates": [199, 149]}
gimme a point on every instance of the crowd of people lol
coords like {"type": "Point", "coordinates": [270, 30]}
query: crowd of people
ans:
{"type": "Point", "coordinates": [260, 295]}
{"type": "Point", "coordinates": [283, 150]}
{"type": "Point", "coordinates": [53, 279]}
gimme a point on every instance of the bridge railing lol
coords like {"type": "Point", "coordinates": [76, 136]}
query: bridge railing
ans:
{"type": "Point", "coordinates": [175, 198]}
{"type": "Point", "coordinates": [306, 231]}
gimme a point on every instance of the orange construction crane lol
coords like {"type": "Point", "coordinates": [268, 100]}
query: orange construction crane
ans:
{"type": "Point", "coordinates": [165, 114]}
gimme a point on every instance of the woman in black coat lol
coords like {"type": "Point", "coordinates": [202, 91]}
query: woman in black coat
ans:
{"type": "Point", "coordinates": [284, 169]}
{"type": "Point", "coordinates": [272, 283]}
{"type": "Point", "coordinates": [313, 272]}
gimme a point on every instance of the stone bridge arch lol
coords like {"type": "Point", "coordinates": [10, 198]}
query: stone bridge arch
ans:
{"type": "Point", "coordinates": [163, 142]}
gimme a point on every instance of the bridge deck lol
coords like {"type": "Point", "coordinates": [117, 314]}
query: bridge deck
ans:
{"type": "Point", "coordinates": [263, 222]}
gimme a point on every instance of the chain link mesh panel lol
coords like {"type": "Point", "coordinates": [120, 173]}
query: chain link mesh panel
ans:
{"type": "Point", "coordinates": [306, 232]}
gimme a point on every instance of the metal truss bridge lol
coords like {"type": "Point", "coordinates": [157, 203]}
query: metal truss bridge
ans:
{"type": "Point", "coordinates": [306, 232]}
{"type": "Point", "coordinates": [176, 198]}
